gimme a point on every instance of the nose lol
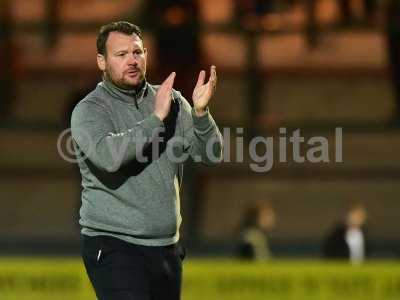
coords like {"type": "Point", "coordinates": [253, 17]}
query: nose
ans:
{"type": "Point", "coordinates": [132, 61]}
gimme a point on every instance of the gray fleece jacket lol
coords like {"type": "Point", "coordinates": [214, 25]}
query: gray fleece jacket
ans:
{"type": "Point", "coordinates": [130, 161]}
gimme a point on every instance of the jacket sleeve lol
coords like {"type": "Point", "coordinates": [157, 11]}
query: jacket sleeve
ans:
{"type": "Point", "coordinates": [205, 141]}
{"type": "Point", "coordinates": [93, 132]}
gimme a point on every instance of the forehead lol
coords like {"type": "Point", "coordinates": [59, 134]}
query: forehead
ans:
{"type": "Point", "coordinates": [118, 40]}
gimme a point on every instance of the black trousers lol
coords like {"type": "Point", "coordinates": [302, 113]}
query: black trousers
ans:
{"type": "Point", "coordinates": [122, 271]}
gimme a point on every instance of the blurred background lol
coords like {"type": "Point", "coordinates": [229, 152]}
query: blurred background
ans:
{"type": "Point", "coordinates": [308, 64]}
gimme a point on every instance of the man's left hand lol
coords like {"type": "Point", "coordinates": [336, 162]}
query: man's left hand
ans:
{"type": "Point", "coordinates": [203, 92]}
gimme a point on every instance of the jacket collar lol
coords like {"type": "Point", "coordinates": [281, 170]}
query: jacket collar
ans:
{"type": "Point", "coordinates": [133, 96]}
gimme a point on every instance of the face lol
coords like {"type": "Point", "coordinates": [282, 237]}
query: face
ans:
{"type": "Point", "coordinates": [266, 218]}
{"type": "Point", "coordinates": [357, 217]}
{"type": "Point", "coordinates": [125, 60]}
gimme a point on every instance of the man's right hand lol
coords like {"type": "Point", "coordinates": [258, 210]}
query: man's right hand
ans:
{"type": "Point", "coordinates": [163, 100]}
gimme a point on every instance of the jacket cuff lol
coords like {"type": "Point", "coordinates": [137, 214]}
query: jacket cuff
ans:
{"type": "Point", "coordinates": [201, 123]}
{"type": "Point", "coordinates": [151, 124]}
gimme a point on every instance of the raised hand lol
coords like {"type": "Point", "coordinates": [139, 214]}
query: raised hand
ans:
{"type": "Point", "coordinates": [163, 99]}
{"type": "Point", "coordinates": [203, 92]}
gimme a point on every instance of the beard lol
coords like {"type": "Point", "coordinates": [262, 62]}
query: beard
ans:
{"type": "Point", "coordinates": [122, 82]}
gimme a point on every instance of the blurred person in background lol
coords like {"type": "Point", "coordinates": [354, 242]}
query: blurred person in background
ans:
{"type": "Point", "coordinates": [347, 14]}
{"type": "Point", "coordinates": [257, 222]}
{"type": "Point", "coordinates": [177, 38]}
{"type": "Point", "coordinates": [393, 50]}
{"type": "Point", "coordinates": [130, 213]}
{"type": "Point", "coordinates": [9, 60]}
{"type": "Point", "coordinates": [252, 13]}
{"type": "Point", "coordinates": [348, 239]}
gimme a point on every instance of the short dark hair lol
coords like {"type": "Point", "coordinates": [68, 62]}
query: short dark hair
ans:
{"type": "Point", "coordinates": [120, 26]}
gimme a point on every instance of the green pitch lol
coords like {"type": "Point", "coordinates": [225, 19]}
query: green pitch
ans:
{"type": "Point", "coordinates": [62, 279]}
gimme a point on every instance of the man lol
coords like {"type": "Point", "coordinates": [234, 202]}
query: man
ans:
{"type": "Point", "coordinates": [123, 133]}
{"type": "Point", "coordinates": [257, 223]}
{"type": "Point", "coordinates": [348, 239]}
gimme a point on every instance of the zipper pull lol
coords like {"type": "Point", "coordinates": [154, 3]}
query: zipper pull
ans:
{"type": "Point", "coordinates": [99, 255]}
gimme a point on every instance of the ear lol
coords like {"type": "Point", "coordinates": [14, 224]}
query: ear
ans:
{"type": "Point", "coordinates": [145, 53]}
{"type": "Point", "coordinates": [101, 62]}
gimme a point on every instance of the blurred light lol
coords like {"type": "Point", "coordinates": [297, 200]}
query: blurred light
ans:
{"type": "Point", "coordinates": [32, 10]}
{"type": "Point", "coordinates": [175, 16]}
{"type": "Point", "coordinates": [216, 12]}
